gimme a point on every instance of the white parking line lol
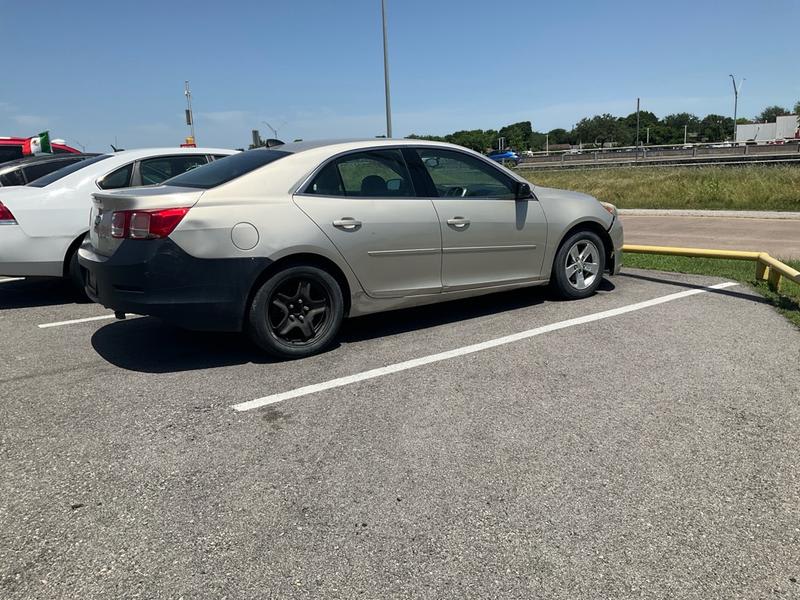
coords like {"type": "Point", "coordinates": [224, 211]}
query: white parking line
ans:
{"type": "Point", "coordinates": [73, 321]}
{"type": "Point", "coordinates": [10, 279]}
{"type": "Point", "coordinates": [432, 358]}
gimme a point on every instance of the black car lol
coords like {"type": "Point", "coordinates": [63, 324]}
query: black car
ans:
{"type": "Point", "coordinates": [25, 170]}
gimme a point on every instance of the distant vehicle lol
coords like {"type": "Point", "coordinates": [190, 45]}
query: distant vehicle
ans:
{"type": "Point", "coordinates": [26, 170]}
{"type": "Point", "coordinates": [285, 242]}
{"type": "Point", "coordinates": [12, 148]}
{"type": "Point", "coordinates": [43, 223]}
{"type": "Point", "coordinates": [504, 155]}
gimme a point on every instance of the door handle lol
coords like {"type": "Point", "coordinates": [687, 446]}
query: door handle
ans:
{"type": "Point", "coordinates": [459, 222]}
{"type": "Point", "coordinates": [347, 223]}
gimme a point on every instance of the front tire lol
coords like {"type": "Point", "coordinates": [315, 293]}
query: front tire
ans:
{"type": "Point", "coordinates": [296, 313]}
{"type": "Point", "coordinates": [579, 265]}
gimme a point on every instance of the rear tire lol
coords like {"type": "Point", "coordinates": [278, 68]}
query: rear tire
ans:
{"type": "Point", "coordinates": [296, 313]}
{"type": "Point", "coordinates": [75, 278]}
{"type": "Point", "coordinates": [579, 265]}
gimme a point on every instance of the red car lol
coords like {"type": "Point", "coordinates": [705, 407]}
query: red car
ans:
{"type": "Point", "coordinates": [12, 148]}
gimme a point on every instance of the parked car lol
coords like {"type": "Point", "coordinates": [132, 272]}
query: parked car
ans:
{"type": "Point", "coordinates": [284, 243]}
{"type": "Point", "coordinates": [12, 148]}
{"type": "Point", "coordinates": [26, 170]}
{"type": "Point", "coordinates": [43, 223]}
{"type": "Point", "coordinates": [504, 155]}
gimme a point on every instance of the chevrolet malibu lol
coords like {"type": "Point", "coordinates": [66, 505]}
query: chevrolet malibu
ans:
{"type": "Point", "coordinates": [285, 242]}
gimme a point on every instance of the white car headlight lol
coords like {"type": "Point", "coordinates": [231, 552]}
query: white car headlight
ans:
{"type": "Point", "coordinates": [609, 207]}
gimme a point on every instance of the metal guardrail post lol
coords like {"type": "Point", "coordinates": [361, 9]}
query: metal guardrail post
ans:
{"type": "Point", "coordinates": [761, 271]}
{"type": "Point", "coordinates": [767, 267]}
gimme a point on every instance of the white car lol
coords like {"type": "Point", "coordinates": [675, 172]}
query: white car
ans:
{"type": "Point", "coordinates": [43, 223]}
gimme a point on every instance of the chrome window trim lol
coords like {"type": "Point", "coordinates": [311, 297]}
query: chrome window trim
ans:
{"type": "Point", "coordinates": [299, 189]}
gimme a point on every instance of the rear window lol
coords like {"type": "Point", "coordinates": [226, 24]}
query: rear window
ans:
{"type": "Point", "coordinates": [226, 169]}
{"type": "Point", "coordinates": [34, 172]}
{"type": "Point", "coordinates": [63, 172]}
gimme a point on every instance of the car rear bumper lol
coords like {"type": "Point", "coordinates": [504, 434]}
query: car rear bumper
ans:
{"type": "Point", "coordinates": [157, 278]}
{"type": "Point", "coordinates": [23, 256]}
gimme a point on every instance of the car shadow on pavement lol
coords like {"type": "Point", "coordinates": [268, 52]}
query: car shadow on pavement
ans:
{"type": "Point", "coordinates": [752, 296]}
{"type": "Point", "coordinates": [32, 293]}
{"type": "Point", "coordinates": [152, 346]}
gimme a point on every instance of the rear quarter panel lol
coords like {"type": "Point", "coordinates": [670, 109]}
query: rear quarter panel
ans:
{"type": "Point", "coordinates": [283, 229]}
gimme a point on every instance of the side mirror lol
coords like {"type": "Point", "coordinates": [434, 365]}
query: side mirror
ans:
{"type": "Point", "coordinates": [394, 185]}
{"type": "Point", "coordinates": [432, 162]}
{"type": "Point", "coordinates": [522, 191]}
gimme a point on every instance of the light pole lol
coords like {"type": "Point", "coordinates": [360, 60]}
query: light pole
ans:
{"type": "Point", "coordinates": [685, 133]}
{"type": "Point", "coordinates": [189, 116]}
{"type": "Point", "coordinates": [547, 144]}
{"type": "Point", "coordinates": [736, 90]}
{"type": "Point", "coordinates": [386, 72]}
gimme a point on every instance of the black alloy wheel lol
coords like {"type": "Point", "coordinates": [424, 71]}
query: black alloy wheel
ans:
{"type": "Point", "coordinates": [297, 312]}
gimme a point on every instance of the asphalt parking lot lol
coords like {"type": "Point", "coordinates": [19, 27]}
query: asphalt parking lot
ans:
{"type": "Point", "coordinates": [640, 443]}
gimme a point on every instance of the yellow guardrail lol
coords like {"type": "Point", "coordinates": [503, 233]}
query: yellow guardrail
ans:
{"type": "Point", "coordinates": [767, 268]}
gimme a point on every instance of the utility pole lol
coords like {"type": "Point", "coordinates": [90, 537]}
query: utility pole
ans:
{"type": "Point", "coordinates": [547, 144]}
{"type": "Point", "coordinates": [637, 123]}
{"type": "Point", "coordinates": [685, 132]}
{"type": "Point", "coordinates": [736, 90]}
{"type": "Point", "coordinates": [647, 143]}
{"type": "Point", "coordinates": [386, 73]}
{"type": "Point", "coordinates": [189, 116]}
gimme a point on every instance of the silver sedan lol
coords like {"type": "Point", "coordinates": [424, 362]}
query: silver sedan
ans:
{"type": "Point", "coordinates": [285, 242]}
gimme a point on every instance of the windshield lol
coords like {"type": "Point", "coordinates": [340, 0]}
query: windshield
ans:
{"type": "Point", "coordinates": [225, 169]}
{"type": "Point", "coordinates": [63, 172]}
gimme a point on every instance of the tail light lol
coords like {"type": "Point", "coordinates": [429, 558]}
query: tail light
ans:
{"type": "Point", "coordinates": [146, 224]}
{"type": "Point", "coordinates": [6, 218]}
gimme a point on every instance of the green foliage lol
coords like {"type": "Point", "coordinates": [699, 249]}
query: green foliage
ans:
{"type": "Point", "coordinates": [607, 130]}
{"type": "Point", "coordinates": [752, 187]}
{"type": "Point", "coordinates": [769, 114]}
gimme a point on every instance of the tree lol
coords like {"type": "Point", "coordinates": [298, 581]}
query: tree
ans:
{"type": "Point", "coordinates": [715, 128]}
{"type": "Point", "coordinates": [796, 108]}
{"type": "Point", "coordinates": [769, 114]}
{"type": "Point", "coordinates": [559, 136]}
{"type": "Point", "coordinates": [518, 135]}
{"type": "Point", "coordinates": [603, 129]}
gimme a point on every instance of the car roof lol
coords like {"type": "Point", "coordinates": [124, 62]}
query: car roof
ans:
{"type": "Point", "coordinates": [41, 158]}
{"type": "Point", "coordinates": [343, 145]}
{"type": "Point", "coordinates": [144, 152]}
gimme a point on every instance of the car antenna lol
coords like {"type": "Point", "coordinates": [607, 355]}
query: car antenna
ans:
{"type": "Point", "coordinates": [113, 147]}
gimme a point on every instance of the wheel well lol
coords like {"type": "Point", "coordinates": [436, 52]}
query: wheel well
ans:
{"type": "Point", "coordinates": [302, 259]}
{"type": "Point", "coordinates": [598, 229]}
{"type": "Point", "coordinates": [73, 247]}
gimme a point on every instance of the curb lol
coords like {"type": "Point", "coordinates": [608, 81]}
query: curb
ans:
{"type": "Point", "coordinates": [728, 214]}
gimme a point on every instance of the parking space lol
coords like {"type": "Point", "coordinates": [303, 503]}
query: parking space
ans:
{"type": "Point", "coordinates": [640, 443]}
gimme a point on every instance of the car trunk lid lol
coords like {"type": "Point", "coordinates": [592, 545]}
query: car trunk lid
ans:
{"type": "Point", "coordinates": [106, 203]}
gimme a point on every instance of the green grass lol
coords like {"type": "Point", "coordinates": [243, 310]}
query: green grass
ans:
{"type": "Point", "coordinates": [752, 187]}
{"type": "Point", "coordinates": [787, 300]}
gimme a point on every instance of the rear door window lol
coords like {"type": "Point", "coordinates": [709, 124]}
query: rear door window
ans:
{"type": "Point", "coordinates": [372, 174]}
{"type": "Point", "coordinates": [157, 170]}
{"type": "Point", "coordinates": [12, 178]}
{"type": "Point", "coordinates": [117, 179]}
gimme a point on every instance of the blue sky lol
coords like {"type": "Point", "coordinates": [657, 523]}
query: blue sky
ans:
{"type": "Point", "coordinates": [95, 71]}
